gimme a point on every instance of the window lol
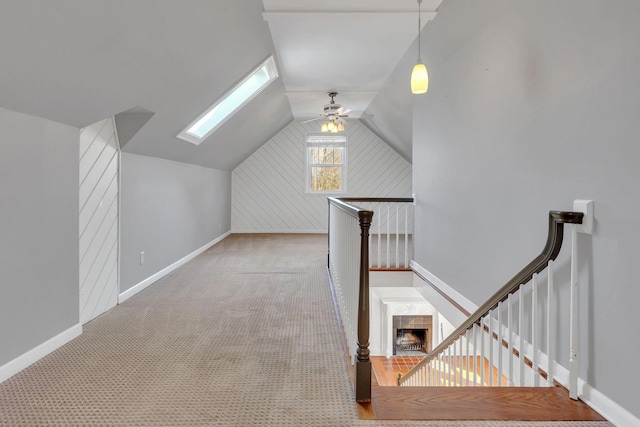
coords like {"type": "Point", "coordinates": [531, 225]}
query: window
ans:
{"type": "Point", "coordinates": [240, 95]}
{"type": "Point", "coordinates": [326, 163]}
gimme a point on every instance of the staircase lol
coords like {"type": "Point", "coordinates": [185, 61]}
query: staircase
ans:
{"type": "Point", "coordinates": [505, 332]}
{"type": "Point", "coordinates": [497, 365]}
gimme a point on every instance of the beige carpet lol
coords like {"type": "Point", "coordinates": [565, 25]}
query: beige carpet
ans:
{"type": "Point", "coordinates": [244, 335]}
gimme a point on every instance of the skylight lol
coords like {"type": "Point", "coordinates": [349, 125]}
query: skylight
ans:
{"type": "Point", "coordinates": [240, 95]}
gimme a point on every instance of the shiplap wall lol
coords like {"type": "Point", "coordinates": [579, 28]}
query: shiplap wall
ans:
{"type": "Point", "coordinates": [268, 188]}
{"type": "Point", "coordinates": [99, 158]}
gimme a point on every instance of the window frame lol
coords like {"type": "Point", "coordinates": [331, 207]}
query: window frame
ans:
{"type": "Point", "coordinates": [309, 165]}
{"type": "Point", "coordinates": [189, 134]}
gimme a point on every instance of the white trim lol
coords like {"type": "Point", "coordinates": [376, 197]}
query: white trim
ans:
{"type": "Point", "coordinates": [160, 274]}
{"type": "Point", "coordinates": [279, 231]}
{"type": "Point", "coordinates": [187, 135]}
{"type": "Point", "coordinates": [25, 360]}
{"type": "Point", "coordinates": [119, 176]}
{"type": "Point", "coordinates": [309, 165]}
{"type": "Point", "coordinates": [452, 293]}
{"type": "Point", "coordinates": [599, 402]}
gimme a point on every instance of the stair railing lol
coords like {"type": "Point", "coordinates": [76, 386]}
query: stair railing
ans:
{"type": "Point", "coordinates": [391, 231]}
{"type": "Point", "coordinates": [348, 264]}
{"type": "Point", "coordinates": [482, 350]}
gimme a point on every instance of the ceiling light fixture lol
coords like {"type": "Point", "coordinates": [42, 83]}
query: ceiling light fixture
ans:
{"type": "Point", "coordinates": [333, 116]}
{"type": "Point", "coordinates": [419, 75]}
{"type": "Point", "coordinates": [333, 125]}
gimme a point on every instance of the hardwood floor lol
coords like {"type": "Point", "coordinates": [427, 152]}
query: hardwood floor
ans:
{"type": "Point", "coordinates": [481, 403]}
{"type": "Point", "coordinates": [390, 402]}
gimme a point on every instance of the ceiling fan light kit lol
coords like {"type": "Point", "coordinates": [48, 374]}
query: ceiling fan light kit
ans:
{"type": "Point", "coordinates": [332, 116]}
{"type": "Point", "coordinates": [419, 75]}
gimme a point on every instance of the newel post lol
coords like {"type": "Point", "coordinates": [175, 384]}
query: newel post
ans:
{"type": "Point", "coordinates": [362, 369]}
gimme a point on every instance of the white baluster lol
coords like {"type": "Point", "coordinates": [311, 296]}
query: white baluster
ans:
{"type": "Point", "coordinates": [454, 361]}
{"type": "Point", "coordinates": [573, 324]}
{"type": "Point", "coordinates": [388, 235]}
{"type": "Point", "coordinates": [397, 235]}
{"type": "Point", "coordinates": [466, 338]}
{"type": "Point", "coordinates": [460, 363]}
{"type": "Point", "coordinates": [491, 364]}
{"type": "Point", "coordinates": [550, 325]}
{"type": "Point", "coordinates": [379, 213]}
{"type": "Point", "coordinates": [482, 354]}
{"type": "Point", "coordinates": [475, 352]}
{"type": "Point", "coordinates": [500, 344]}
{"type": "Point", "coordinates": [434, 371]}
{"type": "Point", "coordinates": [534, 330]}
{"type": "Point", "coordinates": [406, 235]}
{"type": "Point", "coordinates": [521, 333]}
{"type": "Point", "coordinates": [446, 370]}
{"type": "Point", "coordinates": [511, 338]}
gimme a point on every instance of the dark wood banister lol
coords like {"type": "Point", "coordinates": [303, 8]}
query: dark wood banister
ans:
{"type": "Point", "coordinates": [557, 219]}
{"type": "Point", "coordinates": [362, 368]}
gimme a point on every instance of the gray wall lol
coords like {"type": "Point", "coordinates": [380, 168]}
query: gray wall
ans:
{"type": "Point", "coordinates": [38, 231]}
{"type": "Point", "coordinates": [169, 209]}
{"type": "Point", "coordinates": [530, 106]}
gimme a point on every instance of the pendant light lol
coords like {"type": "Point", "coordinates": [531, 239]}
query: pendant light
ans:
{"type": "Point", "coordinates": [419, 75]}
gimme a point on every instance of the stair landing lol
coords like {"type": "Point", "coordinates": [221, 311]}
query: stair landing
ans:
{"type": "Point", "coordinates": [467, 403]}
{"type": "Point", "coordinates": [476, 403]}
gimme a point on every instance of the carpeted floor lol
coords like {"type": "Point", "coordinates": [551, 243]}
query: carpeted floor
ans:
{"type": "Point", "coordinates": [244, 335]}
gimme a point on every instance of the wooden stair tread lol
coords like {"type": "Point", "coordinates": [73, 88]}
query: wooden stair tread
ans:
{"type": "Point", "coordinates": [477, 403]}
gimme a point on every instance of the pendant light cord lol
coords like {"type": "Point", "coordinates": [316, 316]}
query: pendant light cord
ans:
{"type": "Point", "coordinates": [419, 26]}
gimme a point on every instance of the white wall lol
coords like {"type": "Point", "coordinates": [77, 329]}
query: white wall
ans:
{"type": "Point", "coordinates": [268, 187]}
{"type": "Point", "coordinates": [39, 235]}
{"type": "Point", "coordinates": [530, 106]}
{"type": "Point", "coordinates": [169, 210]}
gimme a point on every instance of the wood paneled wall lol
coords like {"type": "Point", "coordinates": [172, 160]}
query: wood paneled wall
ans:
{"type": "Point", "coordinates": [99, 163]}
{"type": "Point", "coordinates": [268, 188]}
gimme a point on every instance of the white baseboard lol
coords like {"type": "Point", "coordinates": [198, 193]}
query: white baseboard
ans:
{"type": "Point", "coordinates": [160, 274]}
{"type": "Point", "coordinates": [602, 404]}
{"type": "Point", "coordinates": [23, 361]}
{"type": "Point", "coordinates": [279, 231]}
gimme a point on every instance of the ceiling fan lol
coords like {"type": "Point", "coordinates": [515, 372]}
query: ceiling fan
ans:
{"type": "Point", "coordinates": [332, 115]}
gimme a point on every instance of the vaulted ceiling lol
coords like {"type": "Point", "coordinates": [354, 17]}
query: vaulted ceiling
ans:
{"type": "Point", "coordinates": [157, 64]}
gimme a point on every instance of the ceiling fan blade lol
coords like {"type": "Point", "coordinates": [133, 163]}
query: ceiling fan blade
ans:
{"type": "Point", "coordinates": [342, 110]}
{"type": "Point", "coordinates": [313, 120]}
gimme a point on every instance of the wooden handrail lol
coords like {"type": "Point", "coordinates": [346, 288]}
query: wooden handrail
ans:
{"type": "Point", "coordinates": [376, 199]}
{"type": "Point", "coordinates": [557, 219]}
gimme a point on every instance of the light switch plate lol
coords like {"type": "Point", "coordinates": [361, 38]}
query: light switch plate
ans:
{"type": "Point", "coordinates": [586, 207]}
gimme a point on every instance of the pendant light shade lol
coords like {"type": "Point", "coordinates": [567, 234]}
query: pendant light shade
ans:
{"type": "Point", "coordinates": [419, 75]}
{"type": "Point", "coordinates": [419, 79]}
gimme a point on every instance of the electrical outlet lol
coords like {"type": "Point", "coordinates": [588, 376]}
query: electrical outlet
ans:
{"type": "Point", "coordinates": [141, 258]}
